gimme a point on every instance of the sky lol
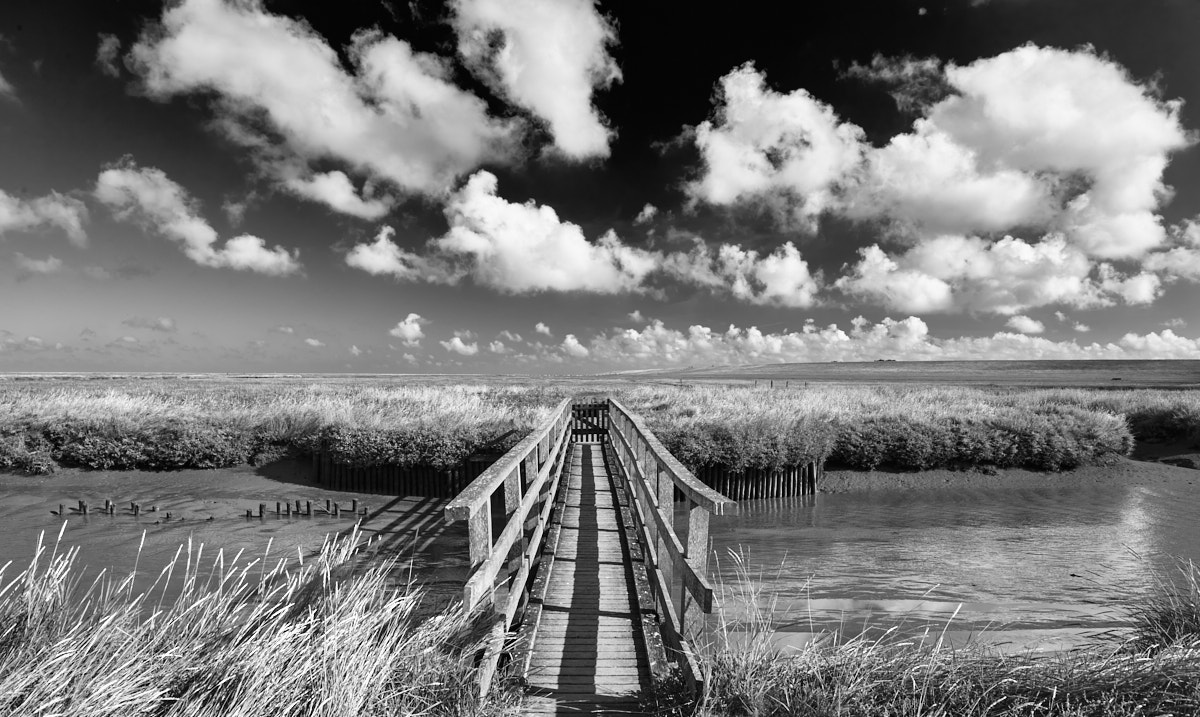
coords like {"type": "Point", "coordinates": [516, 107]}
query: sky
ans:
{"type": "Point", "coordinates": [565, 186]}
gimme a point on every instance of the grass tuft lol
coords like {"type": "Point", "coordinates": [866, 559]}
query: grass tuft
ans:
{"type": "Point", "coordinates": [322, 636]}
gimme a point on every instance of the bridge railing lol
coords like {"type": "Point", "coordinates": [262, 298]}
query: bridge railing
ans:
{"type": "Point", "coordinates": [528, 474]}
{"type": "Point", "coordinates": [677, 571]}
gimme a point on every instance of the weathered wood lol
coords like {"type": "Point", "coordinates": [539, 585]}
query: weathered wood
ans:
{"type": "Point", "coordinates": [696, 491]}
{"type": "Point", "coordinates": [478, 493]}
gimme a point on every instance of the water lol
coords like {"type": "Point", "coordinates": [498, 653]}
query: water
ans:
{"type": "Point", "coordinates": [1047, 561]}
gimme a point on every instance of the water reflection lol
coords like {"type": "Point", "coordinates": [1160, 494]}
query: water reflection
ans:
{"type": "Point", "coordinates": [1051, 557]}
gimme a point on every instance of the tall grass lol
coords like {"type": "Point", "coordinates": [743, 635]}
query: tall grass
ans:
{"type": "Point", "coordinates": [924, 676]}
{"type": "Point", "coordinates": [864, 427]}
{"type": "Point", "coordinates": [171, 424]}
{"type": "Point", "coordinates": [162, 425]}
{"type": "Point", "coordinates": [315, 638]}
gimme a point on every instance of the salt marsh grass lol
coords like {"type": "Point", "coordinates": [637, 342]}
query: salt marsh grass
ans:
{"type": "Point", "coordinates": [297, 638]}
{"type": "Point", "coordinates": [205, 423]}
{"type": "Point", "coordinates": [912, 427]}
{"type": "Point", "coordinates": [154, 424]}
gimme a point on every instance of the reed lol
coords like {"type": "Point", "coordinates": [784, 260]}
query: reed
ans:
{"type": "Point", "coordinates": [318, 636]}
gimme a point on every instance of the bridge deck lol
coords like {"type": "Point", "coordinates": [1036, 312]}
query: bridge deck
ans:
{"type": "Point", "coordinates": [588, 651]}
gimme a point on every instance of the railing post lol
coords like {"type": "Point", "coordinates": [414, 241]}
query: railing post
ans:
{"type": "Point", "coordinates": [479, 536]}
{"type": "Point", "coordinates": [697, 557]}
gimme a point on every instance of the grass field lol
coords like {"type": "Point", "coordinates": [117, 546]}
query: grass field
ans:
{"type": "Point", "coordinates": [210, 422]}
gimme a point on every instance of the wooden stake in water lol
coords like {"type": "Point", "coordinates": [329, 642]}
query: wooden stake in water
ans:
{"type": "Point", "coordinates": [308, 508]}
{"type": "Point", "coordinates": [337, 512]}
{"type": "Point", "coordinates": [262, 508]}
{"type": "Point", "coordinates": [137, 509]}
{"type": "Point", "coordinates": [354, 506]}
{"type": "Point", "coordinates": [278, 509]}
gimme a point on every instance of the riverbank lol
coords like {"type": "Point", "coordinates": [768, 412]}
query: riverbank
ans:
{"type": "Point", "coordinates": [1150, 468]}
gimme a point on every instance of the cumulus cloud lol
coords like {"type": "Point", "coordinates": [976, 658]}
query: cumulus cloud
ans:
{"type": "Point", "coordinates": [571, 347]}
{"type": "Point", "coordinates": [315, 343]}
{"type": "Point", "coordinates": [542, 328]}
{"type": "Point", "coordinates": [280, 89]}
{"type": "Point", "coordinates": [525, 248]}
{"type": "Point", "coordinates": [636, 316]}
{"type": "Point", "coordinates": [498, 347]}
{"type": "Point", "coordinates": [549, 57]}
{"type": "Point", "coordinates": [148, 196]}
{"type": "Point", "coordinates": [763, 142]}
{"type": "Point", "coordinates": [780, 278]}
{"type": "Point", "coordinates": [647, 213]}
{"type": "Point", "coordinates": [1025, 325]}
{"type": "Point", "coordinates": [1082, 328]}
{"type": "Point", "coordinates": [656, 345]}
{"type": "Point", "coordinates": [53, 209]}
{"type": "Point", "coordinates": [458, 346]}
{"type": "Point", "coordinates": [512, 248]}
{"type": "Point", "coordinates": [355, 350]}
{"type": "Point", "coordinates": [1008, 276]}
{"type": "Point", "coordinates": [283, 330]}
{"type": "Point", "coordinates": [107, 53]}
{"type": "Point", "coordinates": [165, 324]}
{"type": "Point", "coordinates": [510, 336]}
{"type": "Point", "coordinates": [1064, 146]}
{"type": "Point", "coordinates": [27, 265]}
{"type": "Point", "coordinates": [1182, 259]}
{"type": "Point", "coordinates": [409, 330]}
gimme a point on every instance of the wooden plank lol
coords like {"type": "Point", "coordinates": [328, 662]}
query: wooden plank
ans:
{"type": "Point", "coordinates": [588, 641]}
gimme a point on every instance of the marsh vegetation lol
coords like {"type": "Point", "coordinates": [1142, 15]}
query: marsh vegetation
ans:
{"type": "Point", "coordinates": [174, 424]}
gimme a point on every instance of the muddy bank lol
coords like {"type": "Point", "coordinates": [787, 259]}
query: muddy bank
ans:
{"type": "Point", "coordinates": [1159, 464]}
{"type": "Point", "coordinates": [209, 507]}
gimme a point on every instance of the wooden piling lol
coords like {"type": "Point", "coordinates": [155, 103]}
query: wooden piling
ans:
{"type": "Point", "coordinates": [262, 508]}
{"type": "Point", "coordinates": [308, 508]}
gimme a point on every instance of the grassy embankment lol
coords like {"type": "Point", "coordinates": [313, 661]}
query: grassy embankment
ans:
{"type": "Point", "coordinates": [301, 640]}
{"type": "Point", "coordinates": [911, 427]}
{"type": "Point", "coordinates": [168, 425]}
{"type": "Point", "coordinates": [163, 425]}
{"type": "Point", "coordinates": [1156, 672]}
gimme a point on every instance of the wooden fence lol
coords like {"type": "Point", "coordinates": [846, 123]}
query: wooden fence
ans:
{"type": "Point", "coordinates": [756, 484]}
{"type": "Point", "coordinates": [399, 480]}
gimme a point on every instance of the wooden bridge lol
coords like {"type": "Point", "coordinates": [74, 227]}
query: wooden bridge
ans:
{"type": "Point", "coordinates": [596, 575]}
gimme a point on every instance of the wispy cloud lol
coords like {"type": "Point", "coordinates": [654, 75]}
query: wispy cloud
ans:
{"type": "Point", "coordinates": [147, 195]}
{"type": "Point", "coordinates": [315, 343]}
{"type": "Point", "coordinates": [29, 266]}
{"type": "Point", "coordinates": [164, 324]}
{"type": "Point", "coordinates": [53, 209]}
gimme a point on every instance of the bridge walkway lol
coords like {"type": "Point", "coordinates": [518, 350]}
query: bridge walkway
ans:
{"type": "Point", "coordinates": [588, 653]}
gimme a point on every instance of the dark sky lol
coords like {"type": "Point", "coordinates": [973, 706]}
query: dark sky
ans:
{"type": "Point", "coordinates": [281, 185]}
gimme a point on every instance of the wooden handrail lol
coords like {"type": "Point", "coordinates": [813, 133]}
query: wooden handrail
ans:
{"type": "Point", "coordinates": [696, 492]}
{"type": "Point", "coordinates": [529, 474]}
{"type": "Point", "coordinates": [476, 495]}
{"type": "Point", "coordinates": [652, 476]}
